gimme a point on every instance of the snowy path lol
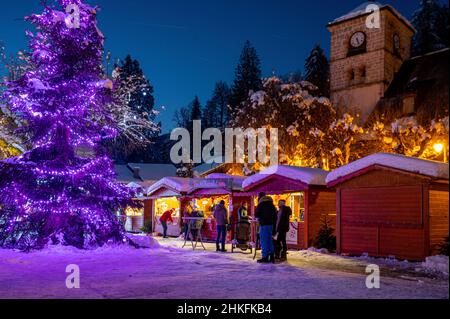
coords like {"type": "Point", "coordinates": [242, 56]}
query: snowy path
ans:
{"type": "Point", "coordinates": [171, 272]}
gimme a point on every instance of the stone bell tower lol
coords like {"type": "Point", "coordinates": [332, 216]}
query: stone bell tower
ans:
{"type": "Point", "coordinates": [368, 47]}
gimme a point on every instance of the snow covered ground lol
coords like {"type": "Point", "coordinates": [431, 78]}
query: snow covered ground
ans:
{"type": "Point", "coordinates": [167, 271]}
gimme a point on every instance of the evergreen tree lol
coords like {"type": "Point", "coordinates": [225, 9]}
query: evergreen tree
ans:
{"type": "Point", "coordinates": [182, 117]}
{"type": "Point", "coordinates": [141, 97]}
{"type": "Point", "coordinates": [317, 71]}
{"type": "Point", "coordinates": [431, 21]}
{"type": "Point", "coordinates": [247, 77]}
{"type": "Point", "coordinates": [325, 237]}
{"type": "Point", "coordinates": [209, 113]}
{"type": "Point", "coordinates": [196, 109]}
{"type": "Point", "coordinates": [134, 110]}
{"type": "Point", "coordinates": [63, 189]}
{"type": "Point", "coordinates": [215, 113]}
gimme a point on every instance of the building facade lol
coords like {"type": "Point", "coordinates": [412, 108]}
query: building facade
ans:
{"type": "Point", "coordinates": [366, 55]}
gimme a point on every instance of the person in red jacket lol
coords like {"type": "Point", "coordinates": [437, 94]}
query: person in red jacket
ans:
{"type": "Point", "coordinates": [164, 219]}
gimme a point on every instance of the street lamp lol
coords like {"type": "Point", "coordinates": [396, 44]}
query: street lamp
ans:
{"type": "Point", "coordinates": [439, 148]}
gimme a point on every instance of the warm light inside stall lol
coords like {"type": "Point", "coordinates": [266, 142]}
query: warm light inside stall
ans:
{"type": "Point", "coordinates": [164, 204]}
{"type": "Point", "coordinates": [134, 211]}
{"type": "Point", "coordinates": [296, 201]}
{"type": "Point", "coordinates": [207, 204]}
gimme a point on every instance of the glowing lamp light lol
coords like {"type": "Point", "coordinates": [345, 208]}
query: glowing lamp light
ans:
{"type": "Point", "coordinates": [438, 147]}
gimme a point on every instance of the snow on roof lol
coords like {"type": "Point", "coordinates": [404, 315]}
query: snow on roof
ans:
{"type": "Point", "coordinates": [405, 163]}
{"type": "Point", "coordinates": [179, 184]}
{"type": "Point", "coordinates": [365, 9]}
{"type": "Point", "coordinates": [236, 181]}
{"type": "Point", "coordinates": [309, 176]}
{"type": "Point", "coordinates": [188, 185]}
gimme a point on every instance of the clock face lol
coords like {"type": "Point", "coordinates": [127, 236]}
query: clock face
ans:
{"type": "Point", "coordinates": [357, 39]}
{"type": "Point", "coordinates": [396, 41]}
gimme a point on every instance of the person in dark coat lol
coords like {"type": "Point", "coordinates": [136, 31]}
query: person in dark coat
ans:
{"type": "Point", "coordinates": [187, 214]}
{"type": "Point", "coordinates": [243, 212]}
{"type": "Point", "coordinates": [221, 217]}
{"type": "Point", "coordinates": [281, 229]}
{"type": "Point", "coordinates": [266, 213]}
{"type": "Point", "coordinates": [197, 224]}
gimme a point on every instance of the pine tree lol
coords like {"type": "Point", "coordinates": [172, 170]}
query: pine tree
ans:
{"type": "Point", "coordinates": [137, 128]}
{"type": "Point", "coordinates": [141, 96]}
{"type": "Point", "coordinates": [431, 23]}
{"type": "Point", "coordinates": [64, 188]}
{"type": "Point", "coordinates": [215, 113]}
{"type": "Point", "coordinates": [317, 71]}
{"type": "Point", "coordinates": [182, 117]}
{"type": "Point", "coordinates": [196, 111]}
{"type": "Point", "coordinates": [134, 95]}
{"type": "Point", "coordinates": [247, 77]}
{"type": "Point", "coordinates": [325, 237]}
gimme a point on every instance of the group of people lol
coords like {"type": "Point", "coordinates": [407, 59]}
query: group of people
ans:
{"type": "Point", "coordinates": [274, 225]}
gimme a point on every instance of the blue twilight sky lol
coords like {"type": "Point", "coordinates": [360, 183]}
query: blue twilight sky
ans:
{"type": "Point", "coordinates": [185, 46]}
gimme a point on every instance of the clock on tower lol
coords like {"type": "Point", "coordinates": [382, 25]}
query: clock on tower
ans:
{"type": "Point", "coordinates": [364, 60]}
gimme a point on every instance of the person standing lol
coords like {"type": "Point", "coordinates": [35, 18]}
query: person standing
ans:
{"type": "Point", "coordinates": [187, 214]}
{"type": "Point", "coordinates": [243, 212]}
{"type": "Point", "coordinates": [221, 217]}
{"type": "Point", "coordinates": [164, 219]}
{"type": "Point", "coordinates": [266, 213]}
{"type": "Point", "coordinates": [281, 229]}
{"type": "Point", "coordinates": [197, 223]}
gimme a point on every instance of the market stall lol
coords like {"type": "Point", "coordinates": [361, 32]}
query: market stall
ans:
{"type": "Point", "coordinates": [169, 193]}
{"type": "Point", "coordinates": [391, 205]}
{"type": "Point", "coordinates": [304, 190]}
{"type": "Point", "coordinates": [210, 192]}
{"type": "Point", "coordinates": [134, 221]}
{"type": "Point", "coordinates": [162, 205]}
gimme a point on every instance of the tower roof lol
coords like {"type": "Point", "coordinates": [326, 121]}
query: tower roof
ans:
{"type": "Point", "coordinates": [362, 10]}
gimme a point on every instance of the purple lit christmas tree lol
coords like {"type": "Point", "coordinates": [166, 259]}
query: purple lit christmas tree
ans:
{"type": "Point", "coordinates": [64, 188]}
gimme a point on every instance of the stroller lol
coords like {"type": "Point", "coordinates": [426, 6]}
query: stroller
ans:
{"type": "Point", "coordinates": [242, 236]}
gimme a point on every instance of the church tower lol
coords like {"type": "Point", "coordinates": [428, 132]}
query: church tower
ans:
{"type": "Point", "coordinates": [368, 46]}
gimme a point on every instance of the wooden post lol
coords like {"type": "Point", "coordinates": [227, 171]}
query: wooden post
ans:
{"type": "Point", "coordinates": [306, 221]}
{"type": "Point", "coordinates": [338, 222]}
{"type": "Point", "coordinates": [426, 218]}
{"type": "Point", "coordinates": [252, 213]}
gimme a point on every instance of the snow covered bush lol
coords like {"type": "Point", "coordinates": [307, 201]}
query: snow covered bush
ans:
{"type": "Point", "coordinates": [406, 136]}
{"type": "Point", "coordinates": [295, 111]}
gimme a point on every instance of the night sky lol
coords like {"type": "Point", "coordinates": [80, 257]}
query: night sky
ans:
{"type": "Point", "coordinates": [186, 46]}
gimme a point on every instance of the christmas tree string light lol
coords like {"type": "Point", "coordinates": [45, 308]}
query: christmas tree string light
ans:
{"type": "Point", "coordinates": [54, 191]}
